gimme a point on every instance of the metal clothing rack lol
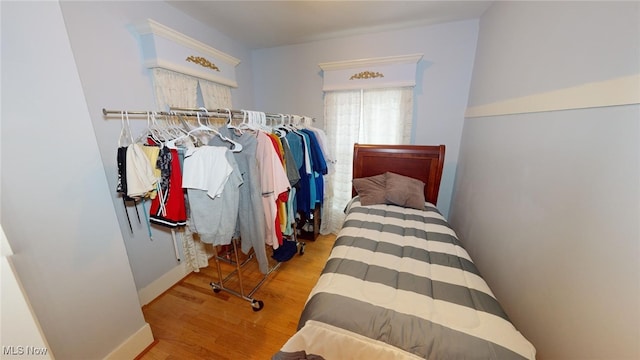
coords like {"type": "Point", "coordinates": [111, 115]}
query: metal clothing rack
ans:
{"type": "Point", "coordinates": [256, 304]}
{"type": "Point", "coordinates": [218, 286]}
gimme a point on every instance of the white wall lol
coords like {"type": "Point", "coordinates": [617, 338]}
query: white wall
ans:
{"type": "Point", "coordinates": [21, 331]}
{"type": "Point", "coordinates": [109, 62]}
{"type": "Point", "coordinates": [57, 211]}
{"type": "Point", "coordinates": [579, 42]}
{"type": "Point", "coordinates": [288, 79]}
{"type": "Point", "coordinates": [547, 203]}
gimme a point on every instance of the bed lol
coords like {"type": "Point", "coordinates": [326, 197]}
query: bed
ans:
{"type": "Point", "coordinates": [398, 283]}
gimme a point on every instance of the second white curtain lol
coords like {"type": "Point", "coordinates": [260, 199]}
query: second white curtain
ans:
{"type": "Point", "coordinates": [215, 96]}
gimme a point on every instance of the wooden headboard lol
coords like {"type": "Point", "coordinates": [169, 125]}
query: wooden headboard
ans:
{"type": "Point", "coordinates": [422, 162]}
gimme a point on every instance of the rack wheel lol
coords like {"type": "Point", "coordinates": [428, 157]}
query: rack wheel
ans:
{"type": "Point", "coordinates": [215, 288]}
{"type": "Point", "coordinates": [302, 248]}
{"type": "Point", "coordinates": [257, 305]}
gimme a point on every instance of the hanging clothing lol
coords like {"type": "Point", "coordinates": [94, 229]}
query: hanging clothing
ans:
{"type": "Point", "coordinates": [206, 168]}
{"type": "Point", "coordinates": [152, 153]}
{"type": "Point", "coordinates": [224, 195]}
{"type": "Point", "coordinates": [251, 218]}
{"type": "Point", "coordinates": [140, 178]}
{"type": "Point", "coordinates": [121, 186]}
{"type": "Point", "coordinates": [168, 208]}
{"type": "Point", "coordinates": [295, 145]}
{"type": "Point", "coordinates": [291, 212]}
{"type": "Point", "coordinates": [319, 167]}
{"type": "Point", "coordinates": [289, 163]}
{"type": "Point", "coordinates": [274, 184]}
{"type": "Point", "coordinates": [214, 219]}
{"type": "Point", "coordinates": [281, 200]}
{"type": "Point", "coordinates": [321, 136]}
{"type": "Point", "coordinates": [306, 191]}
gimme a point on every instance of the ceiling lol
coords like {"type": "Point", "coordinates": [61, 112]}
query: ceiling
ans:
{"type": "Point", "coordinates": [264, 24]}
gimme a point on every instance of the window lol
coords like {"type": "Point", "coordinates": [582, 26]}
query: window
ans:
{"type": "Point", "coordinates": [366, 116]}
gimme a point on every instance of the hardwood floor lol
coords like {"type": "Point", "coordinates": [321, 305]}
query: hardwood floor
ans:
{"type": "Point", "coordinates": [190, 321]}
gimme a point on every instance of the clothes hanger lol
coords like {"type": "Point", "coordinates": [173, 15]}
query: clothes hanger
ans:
{"type": "Point", "coordinates": [307, 121]}
{"type": "Point", "coordinates": [182, 129]}
{"type": "Point", "coordinates": [230, 121]}
{"type": "Point", "coordinates": [174, 131]}
{"type": "Point", "coordinates": [144, 134]}
{"type": "Point", "coordinates": [125, 132]}
{"type": "Point", "coordinates": [229, 117]}
{"type": "Point", "coordinates": [186, 132]}
{"type": "Point", "coordinates": [172, 126]}
{"type": "Point", "coordinates": [247, 121]}
{"type": "Point", "coordinates": [162, 132]}
{"type": "Point", "coordinates": [237, 147]}
{"type": "Point", "coordinates": [159, 133]}
{"type": "Point", "coordinates": [262, 121]}
{"type": "Point", "coordinates": [298, 121]}
{"type": "Point", "coordinates": [251, 119]}
{"type": "Point", "coordinates": [279, 130]}
{"type": "Point", "coordinates": [290, 123]}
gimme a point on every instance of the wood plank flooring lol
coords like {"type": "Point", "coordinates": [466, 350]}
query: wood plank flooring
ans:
{"type": "Point", "coordinates": [190, 321]}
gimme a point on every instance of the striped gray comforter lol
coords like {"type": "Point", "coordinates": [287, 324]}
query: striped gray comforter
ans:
{"type": "Point", "coordinates": [401, 277]}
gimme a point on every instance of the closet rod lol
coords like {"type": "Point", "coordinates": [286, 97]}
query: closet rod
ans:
{"type": "Point", "coordinates": [235, 112]}
{"type": "Point", "coordinates": [162, 113]}
{"type": "Point", "coordinates": [189, 112]}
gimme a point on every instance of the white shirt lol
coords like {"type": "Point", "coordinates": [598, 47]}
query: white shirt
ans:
{"type": "Point", "coordinates": [206, 168]}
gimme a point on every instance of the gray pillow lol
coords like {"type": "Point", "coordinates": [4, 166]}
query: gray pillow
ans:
{"type": "Point", "coordinates": [404, 191]}
{"type": "Point", "coordinates": [371, 189]}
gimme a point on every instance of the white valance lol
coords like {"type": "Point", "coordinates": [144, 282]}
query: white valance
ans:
{"type": "Point", "coordinates": [383, 72]}
{"type": "Point", "coordinates": [163, 47]}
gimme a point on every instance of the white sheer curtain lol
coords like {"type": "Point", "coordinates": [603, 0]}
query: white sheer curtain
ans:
{"type": "Point", "coordinates": [376, 116]}
{"type": "Point", "coordinates": [342, 112]}
{"type": "Point", "coordinates": [215, 96]}
{"type": "Point", "coordinates": [387, 116]}
{"type": "Point", "coordinates": [174, 89]}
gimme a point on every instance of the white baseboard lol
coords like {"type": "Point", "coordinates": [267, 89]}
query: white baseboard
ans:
{"type": "Point", "coordinates": [162, 284]}
{"type": "Point", "coordinates": [134, 345]}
